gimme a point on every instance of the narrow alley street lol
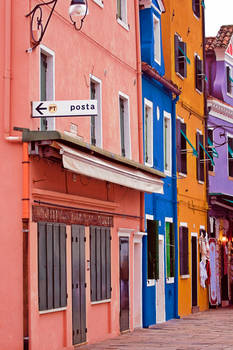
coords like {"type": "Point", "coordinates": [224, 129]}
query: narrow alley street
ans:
{"type": "Point", "coordinates": [205, 330]}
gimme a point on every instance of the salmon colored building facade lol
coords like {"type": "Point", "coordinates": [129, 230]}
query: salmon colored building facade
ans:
{"type": "Point", "coordinates": [183, 55]}
{"type": "Point", "coordinates": [71, 243]}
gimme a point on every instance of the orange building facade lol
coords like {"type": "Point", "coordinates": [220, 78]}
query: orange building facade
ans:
{"type": "Point", "coordinates": [71, 254]}
{"type": "Point", "coordinates": [183, 55]}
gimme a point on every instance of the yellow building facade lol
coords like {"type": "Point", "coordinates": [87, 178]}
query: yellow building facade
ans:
{"type": "Point", "coordinates": [182, 33]}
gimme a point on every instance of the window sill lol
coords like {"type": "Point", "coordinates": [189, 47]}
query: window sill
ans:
{"type": "Point", "coordinates": [199, 91]}
{"type": "Point", "coordinates": [101, 302]}
{"type": "Point", "coordinates": [201, 182]}
{"type": "Point", "coordinates": [99, 3]}
{"type": "Point", "coordinates": [52, 310]}
{"type": "Point", "coordinates": [180, 76]}
{"type": "Point", "coordinates": [168, 173]}
{"type": "Point", "coordinates": [170, 280]}
{"type": "Point", "coordinates": [149, 165]}
{"type": "Point", "coordinates": [211, 173]}
{"type": "Point", "coordinates": [182, 174]}
{"type": "Point", "coordinates": [123, 24]}
{"type": "Point", "coordinates": [198, 18]}
{"type": "Point", "coordinates": [150, 283]}
{"type": "Point", "coordinates": [184, 277]}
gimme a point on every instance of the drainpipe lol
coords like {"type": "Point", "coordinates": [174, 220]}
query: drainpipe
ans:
{"type": "Point", "coordinates": [174, 187]}
{"type": "Point", "coordinates": [25, 223]}
{"type": "Point", "coordinates": [205, 114]}
{"type": "Point", "coordinates": [139, 100]}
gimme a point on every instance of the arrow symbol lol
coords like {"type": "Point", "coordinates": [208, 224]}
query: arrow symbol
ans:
{"type": "Point", "coordinates": [39, 108]}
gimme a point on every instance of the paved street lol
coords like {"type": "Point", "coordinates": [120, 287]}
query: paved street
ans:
{"type": "Point", "coordinates": [212, 329]}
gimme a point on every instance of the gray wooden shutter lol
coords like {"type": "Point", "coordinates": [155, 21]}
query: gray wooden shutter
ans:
{"type": "Point", "coordinates": [42, 266]}
{"type": "Point", "coordinates": [153, 249]}
{"type": "Point", "coordinates": [56, 265]}
{"type": "Point", "coordinates": [49, 256]}
{"type": "Point", "coordinates": [176, 51]}
{"type": "Point", "coordinates": [172, 249]}
{"type": "Point", "coordinates": [63, 281]}
{"type": "Point", "coordinates": [108, 263]}
{"type": "Point", "coordinates": [178, 145]}
{"type": "Point", "coordinates": [93, 263]}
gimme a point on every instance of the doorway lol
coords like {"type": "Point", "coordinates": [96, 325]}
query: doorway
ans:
{"type": "Point", "coordinates": [194, 268]}
{"type": "Point", "coordinates": [124, 283]}
{"type": "Point", "coordinates": [160, 288]}
{"type": "Point", "coordinates": [78, 284]}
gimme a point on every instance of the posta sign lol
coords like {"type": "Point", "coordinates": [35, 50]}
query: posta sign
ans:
{"type": "Point", "coordinates": [73, 108]}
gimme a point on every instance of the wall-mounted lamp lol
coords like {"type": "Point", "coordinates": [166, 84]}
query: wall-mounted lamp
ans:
{"type": "Point", "coordinates": [38, 29]}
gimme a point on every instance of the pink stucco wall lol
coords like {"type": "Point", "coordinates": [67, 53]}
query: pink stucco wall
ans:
{"type": "Point", "coordinates": [108, 51]}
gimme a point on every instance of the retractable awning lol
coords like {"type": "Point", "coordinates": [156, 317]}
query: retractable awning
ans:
{"type": "Point", "coordinates": [98, 168]}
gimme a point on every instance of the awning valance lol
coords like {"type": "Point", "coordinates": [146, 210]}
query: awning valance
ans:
{"type": "Point", "coordinates": [98, 168]}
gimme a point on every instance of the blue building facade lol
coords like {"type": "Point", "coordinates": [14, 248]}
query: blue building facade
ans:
{"type": "Point", "coordinates": [159, 96]}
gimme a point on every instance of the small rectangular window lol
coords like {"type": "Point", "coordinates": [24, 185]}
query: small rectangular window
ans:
{"type": "Point", "coordinates": [184, 250]}
{"type": "Point", "coordinates": [229, 79]}
{"type": "Point", "coordinates": [52, 281]}
{"type": "Point", "coordinates": [122, 10]}
{"type": "Point", "coordinates": [96, 121]}
{"type": "Point", "coordinates": [157, 42]}
{"type": "Point", "coordinates": [180, 56]}
{"type": "Point", "coordinates": [167, 144]}
{"type": "Point", "coordinates": [230, 156]}
{"type": "Point", "coordinates": [196, 7]}
{"type": "Point", "coordinates": [181, 148]}
{"type": "Point", "coordinates": [46, 84]}
{"type": "Point", "coordinates": [170, 249]}
{"type": "Point", "coordinates": [199, 75]}
{"type": "Point", "coordinates": [124, 125]}
{"type": "Point", "coordinates": [100, 253]}
{"type": "Point", "coordinates": [200, 158]}
{"type": "Point", "coordinates": [152, 249]}
{"type": "Point", "coordinates": [148, 132]}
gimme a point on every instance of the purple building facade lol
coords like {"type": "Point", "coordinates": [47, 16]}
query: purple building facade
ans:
{"type": "Point", "coordinates": [219, 72]}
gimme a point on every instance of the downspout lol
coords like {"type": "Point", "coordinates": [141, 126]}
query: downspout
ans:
{"type": "Point", "coordinates": [25, 223]}
{"type": "Point", "coordinates": [139, 100]}
{"type": "Point", "coordinates": [174, 179]}
{"type": "Point", "coordinates": [205, 115]}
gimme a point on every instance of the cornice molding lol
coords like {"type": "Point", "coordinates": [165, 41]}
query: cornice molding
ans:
{"type": "Point", "coordinates": [220, 110]}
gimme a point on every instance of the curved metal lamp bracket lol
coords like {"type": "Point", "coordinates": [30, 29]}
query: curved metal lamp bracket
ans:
{"type": "Point", "coordinates": [37, 20]}
{"type": "Point", "coordinates": [222, 134]}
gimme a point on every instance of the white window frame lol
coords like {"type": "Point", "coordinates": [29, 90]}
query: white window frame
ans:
{"type": "Point", "coordinates": [167, 118]}
{"type": "Point", "coordinates": [99, 3]}
{"type": "Point", "coordinates": [157, 41]}
{"type": "Point", "coordinates": [184, 224]}
{"type": "Point", "coordinates": [126, 123]}
{"type": "Point", "coordinates": [98, 118]}
{"type": "Point", "coordinates": [231, 74]}
{"type": "Point", "coordinates": [149, 104]}
{"type": "Point", "coordinates": [124, 21]}
{"type": "Point", "coordinates": [169, 280]}
{"type": "Point", "coordinates": [50, 82]}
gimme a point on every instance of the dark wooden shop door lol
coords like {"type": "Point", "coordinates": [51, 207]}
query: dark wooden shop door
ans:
{"type": "Point", "coordinates": [194, 271]}
{"type": "Point", "coordinates": [124, 284]}
{"type": "Point", "coordinates": [78, 284]}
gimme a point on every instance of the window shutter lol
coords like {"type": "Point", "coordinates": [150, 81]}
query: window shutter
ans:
{"type": "Point", "coordinates": [122, 126]}
{"type": "Point", "coordinates": [49, 255]}
{"type": "Point", "coordinates": [185, 251]}
{"type": "Point", "coordinates": [198, 157]}
{"type": "Point", "coordinates": [196, 72]}
{"type": "Point", "coordinates": [228, 71]}
{"type": "Point", "coordinates": [181, 250]}
{"type": "Point", "coordinates": [196, 7]}
{"type": "Point", "coordinates": [176, 50]}
{"type": "Point", "coordinates": [153, 249]}
{"type": "Point", "coordinates": [63, 282]}
{"type": "Point", "coordinates": [183, 150]}
{"type": "Point", "coordinates": [172, 249]}
{"type": "Point", "coordinates": [42, 273]}
{"type": "Point", "coordinates": [230, 159]}
{"type": "Point", "coordinates": [119, 14]}
{"type": "Point", "coordinates": [93, 263]}
{"type": "Point", "coordinates": [56, 265]}
{"type": "Point", "coordinates": [178, 145]}
{"type": "Point", "coordinates": [184, 47]}
{"type": "Point", "coordinates": [108, 263]}
{"type": "Point", "coordinates": [202, 160]}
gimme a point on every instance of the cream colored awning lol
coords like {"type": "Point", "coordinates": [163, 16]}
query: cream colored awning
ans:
{"type": "Point", "coordinates": [81, 163]}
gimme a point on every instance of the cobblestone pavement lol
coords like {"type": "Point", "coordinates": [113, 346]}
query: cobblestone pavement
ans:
{"type": "Point", "coordinates": [212, 329]}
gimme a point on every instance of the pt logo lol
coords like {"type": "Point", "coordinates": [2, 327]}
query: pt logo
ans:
{"type": "Point", "coordinates": [53, 108]}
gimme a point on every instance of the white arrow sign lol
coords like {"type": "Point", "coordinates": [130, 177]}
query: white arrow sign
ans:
{"type": "Point", "coordinates": [75, 108]}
